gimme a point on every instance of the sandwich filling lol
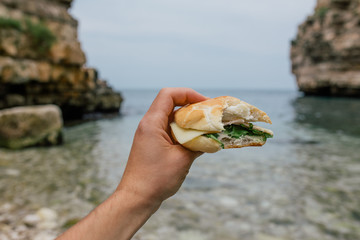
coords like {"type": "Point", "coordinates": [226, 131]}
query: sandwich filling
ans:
{"type": "Point", "coordinates": [233, 132]}
{"type": "Point", "coordinates": [222, 122]}
{"type": "Point", "coordinates": [231, 135]}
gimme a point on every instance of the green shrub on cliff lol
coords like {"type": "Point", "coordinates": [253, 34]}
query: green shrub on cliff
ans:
{"type": "Point", "coordinates": [321, 12]}
{"type": "Point", "coordinates": [41, 36]}
{"type": "Point", "coordinates": [10, 23]}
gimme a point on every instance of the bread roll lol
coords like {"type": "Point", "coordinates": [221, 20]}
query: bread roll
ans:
{"type": "Point", "coordinates": [211, 115]}
{"type": "Point", "coordinates": [195, 124]}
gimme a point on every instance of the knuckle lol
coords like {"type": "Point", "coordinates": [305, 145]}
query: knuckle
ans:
{"type": "Point", "coordinates": [145, 126]}
{"type": "Point", "coordinates": [142, 127]}
{"type": "Point", "coordinates": [165, 91]}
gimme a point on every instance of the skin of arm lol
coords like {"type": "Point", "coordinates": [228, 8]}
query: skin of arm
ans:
{"type": "Point", "coordinates": [155, 170]}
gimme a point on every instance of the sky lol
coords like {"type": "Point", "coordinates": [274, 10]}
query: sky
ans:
{"type": "Point", "coordinates": [205, 44]}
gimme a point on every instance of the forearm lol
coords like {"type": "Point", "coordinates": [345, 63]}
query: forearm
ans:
{"type": "Point", "coordinates": [155, 170]}
{"type": "Point", "coordinates": [119, 217]}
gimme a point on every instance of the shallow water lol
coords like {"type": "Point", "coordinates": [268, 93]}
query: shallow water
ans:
{"type": "Point", "coordinates": [303, 184]}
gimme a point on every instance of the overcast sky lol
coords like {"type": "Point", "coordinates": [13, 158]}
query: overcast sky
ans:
{"type": "Point", "coordinates": [191, 43]}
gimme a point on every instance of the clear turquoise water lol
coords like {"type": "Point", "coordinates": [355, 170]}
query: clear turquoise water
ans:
{"type": "Point", "coordinates": [303, 184]}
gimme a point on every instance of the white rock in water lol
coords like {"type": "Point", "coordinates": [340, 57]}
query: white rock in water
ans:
{"type": "Point", "coordinates": [31, 220]}
{"type": "Point", "coordinates": [191, 235]}
{"type": "Point", "coordinates": [149, 237]}
{"type": "Point", "coordinates": [229, 202]}
{"type": "Point", "coordinates": [21, 229]}
{"type": "Point", "coordinates": [267, 237]}
{"type": "Point", "coordinates": [47, 214]}
{"type": "Point", "coordinates": [29, 126]}
{"type": "Point", "coordinates": [3, 219]}
{"type": "Point", "coordinates": [44, 236]}
{"type": "Point", "coordinates": [47, 225]}
{"type": "Point", "coordinates": [12, 172]}
{"type": "Point", "coordinates": [14, 235]}
{"type": "Point", "coordinates": [6, 207]}
{"type": "Point", "coordinates": [3, 237]}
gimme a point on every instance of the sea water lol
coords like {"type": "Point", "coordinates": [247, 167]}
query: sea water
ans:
{"type": "Point", "coordinates": [302, 184]}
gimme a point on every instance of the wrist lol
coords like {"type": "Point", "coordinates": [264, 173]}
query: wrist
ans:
{"type": "Point", "coordinates": [119, 217]}
{"type": "Point", "coordinates": [135, 201]}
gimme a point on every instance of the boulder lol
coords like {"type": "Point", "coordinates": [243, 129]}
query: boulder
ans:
{"type": "Point", "coordinates": [325, 54]}
{"type": "Point", "coordinates": [42, 62]}
{"type": "Point", "coordinates": [29, 126]}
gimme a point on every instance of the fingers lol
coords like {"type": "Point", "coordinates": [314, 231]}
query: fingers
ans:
{"type": "Point", "coordinates": [168, 98]}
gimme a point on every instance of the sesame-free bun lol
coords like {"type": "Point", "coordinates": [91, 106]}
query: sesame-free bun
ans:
{"type": "Point", "coordinates": [203, 144]}
{"type": "Point", "coordinates": [212, 114]}
{"type": "Point", "coordinates": [208, 145]}
{"type": "Point", "coordinates": [192, 123]}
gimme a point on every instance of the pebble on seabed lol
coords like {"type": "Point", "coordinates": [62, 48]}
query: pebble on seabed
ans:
{"type": "Point", "coordinates": [193, 235]}
{"type": "Point", "coordinates": [47, 214]}
{"type": "Point", "coordinates": [42, 225]}
{"type": "Point", "coordinates": [44, 236]}
{"type": "Point", "coordinates": [31, 220]}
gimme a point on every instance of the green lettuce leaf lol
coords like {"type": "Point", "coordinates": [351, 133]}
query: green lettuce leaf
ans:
{"type": "Point", "coordinates": [237, 131]}
{"type": "Point", "coordinates": [215, 136]}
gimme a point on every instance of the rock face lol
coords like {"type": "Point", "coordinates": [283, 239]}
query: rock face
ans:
{"type": "Point", "coordinates": [41, 61]}
{"type": "Point", "coordinates": [29, 126]}
{"type": "Point", "coordinates": [325, 54]}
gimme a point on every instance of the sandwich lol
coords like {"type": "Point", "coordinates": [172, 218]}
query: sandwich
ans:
{"type": "Point", "coordinates": [219, 123]}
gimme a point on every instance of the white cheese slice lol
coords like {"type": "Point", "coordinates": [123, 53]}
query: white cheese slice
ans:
{"type": "Point", "coordinates": [183, 135]}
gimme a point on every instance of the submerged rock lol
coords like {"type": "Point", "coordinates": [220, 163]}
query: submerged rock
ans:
{"type": "Point", "coordinates": [325, 54]}
{"type": "Point", "coordinates": [47, 214]}
{"type": "Point", "coordinates": [31, 220]}
{"type": "Point", "coordinates": [28, 126]}
{"type": "Point", "coordinates": [44, 236]}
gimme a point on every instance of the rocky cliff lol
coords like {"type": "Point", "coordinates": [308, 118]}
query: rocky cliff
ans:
{"type": "Point", "coordinates": [41, 60]}
{"type": "Point", "coordinates": [325, 54]}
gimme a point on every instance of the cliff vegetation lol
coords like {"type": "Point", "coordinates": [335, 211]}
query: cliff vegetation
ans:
{"type": "Point", "coordinates": [325, 54]}
{"type": "Point", "coordinates": [41, 61]}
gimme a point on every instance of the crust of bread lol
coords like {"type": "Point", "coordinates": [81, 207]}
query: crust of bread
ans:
{"type": "Point", "coordinates": [212, 114]}
{"type": "Point", "coordinates": [205, 144]}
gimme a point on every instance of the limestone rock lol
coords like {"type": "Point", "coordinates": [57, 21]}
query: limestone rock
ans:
{"type": "Point", "coordinates": [48, 218]}
{"type": "Point", "coordinates": [325, 54]}
{"type": "Point", "coordinates": [41, 61]}
{"type": "Point", "coordinates": [31, 220]}
{"type": "Point", "coordinates": [47, 214]}
{"type": "Point", "coordinates": [44, 236]}
{"type": "Point", "coordinates": [28, 126]}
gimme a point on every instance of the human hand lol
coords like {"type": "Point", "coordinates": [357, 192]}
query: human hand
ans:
{"type": "Point", "coordinates": [155, 170]}
{"type": "Point", "coordinates": [156, 166]}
